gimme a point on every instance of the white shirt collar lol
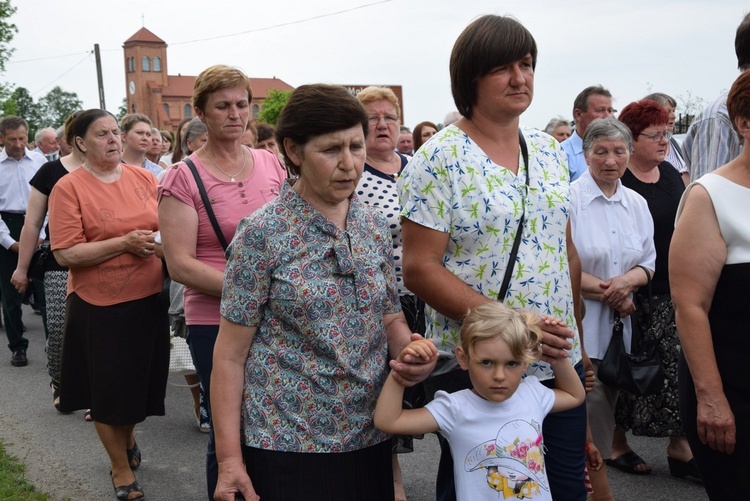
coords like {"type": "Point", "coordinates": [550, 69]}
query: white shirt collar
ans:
{"type": "Point", "coordinates": [590, 191]}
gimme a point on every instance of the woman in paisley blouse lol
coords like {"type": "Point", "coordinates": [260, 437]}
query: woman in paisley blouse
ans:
{"type": "Point", "coordinates": [310, 315]}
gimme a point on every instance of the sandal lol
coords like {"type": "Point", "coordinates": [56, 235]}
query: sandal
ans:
{"type": "Point", "coordinates": [134, 454]}
{"type": "Point", "coordinates": [87, 415]}
{"type": "Point", "coordinates": [122, 492]}
{"type": "Point", "coordinates": [629, 463]}
{"type": "Point", "coordinates": [681, 469]}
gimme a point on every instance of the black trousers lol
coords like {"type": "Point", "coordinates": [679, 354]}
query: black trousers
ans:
{"type": "Point", "coordinates": [11, 299]}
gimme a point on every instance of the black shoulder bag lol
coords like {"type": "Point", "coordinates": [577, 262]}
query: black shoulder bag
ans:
{"type": "Point", "coordinates": [640, 372]}
{"type": "Point", "coordinates": [448, 376]}
{"type": "Point", "coordinates": [207, 203]}
{"type": "Point", "coordinates": [164, 295]}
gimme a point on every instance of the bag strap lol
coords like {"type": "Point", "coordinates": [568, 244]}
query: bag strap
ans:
{"type": "Point", "coordinates": [207, 203]}
{"type": "Point", "coordinates": [517, 240]}
{"type": "Point", "coordinates": [648, 287]}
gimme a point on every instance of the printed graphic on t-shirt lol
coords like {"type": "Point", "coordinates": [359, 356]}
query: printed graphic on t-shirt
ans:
{"type": "Point", "coordinates": [514, 460]}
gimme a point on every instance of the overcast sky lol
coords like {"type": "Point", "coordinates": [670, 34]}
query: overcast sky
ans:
{"type": "Point", "coordinates": [631, 47]}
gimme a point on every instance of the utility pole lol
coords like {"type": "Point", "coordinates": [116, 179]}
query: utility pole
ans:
{"type": "Point", "coordinates": [99, 76]}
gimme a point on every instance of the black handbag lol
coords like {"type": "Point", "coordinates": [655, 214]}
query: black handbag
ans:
{"type": "Point", "coordinates": [36, 265]}
{"type": "Point", "coordinates": [641, 372]}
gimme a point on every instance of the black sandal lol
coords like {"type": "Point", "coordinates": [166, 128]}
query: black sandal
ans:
{"type": "Point", "coordinates": [122, 493]}
{"type": "Point", "coordinates": [134, 454]}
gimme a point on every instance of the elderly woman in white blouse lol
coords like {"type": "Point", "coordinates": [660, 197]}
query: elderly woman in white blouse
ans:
{"type": "Point", "coordinates": [613, 232]}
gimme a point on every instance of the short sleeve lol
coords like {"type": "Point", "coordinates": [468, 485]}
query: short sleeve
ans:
{"type": "Point", "coordinates": [545, 397]}
{"type": "Point", "coordinates": [65, 217]}
{"type": "Point", "coordinates": [178, 182]}
{"type": "Point", "coordinates": [426, 189]}
{"type": "Point", "coordinates": [444, 409]}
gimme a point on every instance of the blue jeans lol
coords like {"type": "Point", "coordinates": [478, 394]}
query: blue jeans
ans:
{"type": "Point", "coordinates": [564, 437]}
{"type": "Point", "coordinates": [201, 340]}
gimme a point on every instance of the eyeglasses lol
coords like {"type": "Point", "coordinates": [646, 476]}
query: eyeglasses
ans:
{"type": "Point", "coordinates": [389, 119]}
{"type": "Point", "coordinates": [658, 136]}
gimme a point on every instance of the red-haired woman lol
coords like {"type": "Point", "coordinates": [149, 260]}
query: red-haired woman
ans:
{"type": "Point", "coordinates": [661, 185]}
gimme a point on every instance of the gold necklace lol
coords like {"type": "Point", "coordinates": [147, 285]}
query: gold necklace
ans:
{"type": "Point", "coordinates": [230, 176]}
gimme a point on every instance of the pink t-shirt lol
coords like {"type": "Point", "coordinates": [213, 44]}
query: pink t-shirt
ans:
{"type": "Point", "coordinates": [231, 202]}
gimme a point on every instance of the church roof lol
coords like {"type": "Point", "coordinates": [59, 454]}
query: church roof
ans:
{"type": "Point", "coordinates": [144, 36]}
{"type": "Point", "coordinates": [261, 86]}
{"type": "Point", "coordinates": [178, 86]}
{"type": "Point", "coordinates": [182, 86]}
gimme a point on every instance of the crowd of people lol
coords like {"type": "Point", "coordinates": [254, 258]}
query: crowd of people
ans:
{"type": "Point", "coordinates": [342, 278]}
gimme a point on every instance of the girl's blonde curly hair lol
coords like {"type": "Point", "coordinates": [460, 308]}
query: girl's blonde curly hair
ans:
{"type": "Point", "coordinates": [494, 319]}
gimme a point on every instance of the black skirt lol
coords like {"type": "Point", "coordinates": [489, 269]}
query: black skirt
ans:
{"type": "Point", "coordinates": [115, 359]}
{"type": "Point", "coordinates": [362, 475]}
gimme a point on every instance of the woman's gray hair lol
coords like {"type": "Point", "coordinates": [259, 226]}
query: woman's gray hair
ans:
{"type": "Point", "coordinates": [662, 99]}
{"type": "Point", "coordinates": [194, 128]}
{"type": "Point", "coordinates": [606, 128]}
{"type": "Point", "coordinates": [556, 122]}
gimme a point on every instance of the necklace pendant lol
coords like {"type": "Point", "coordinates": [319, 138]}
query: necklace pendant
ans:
{"type": "Point", "coordinates": [231, 179]}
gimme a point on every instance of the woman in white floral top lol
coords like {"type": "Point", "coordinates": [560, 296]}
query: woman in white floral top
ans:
{"type": "Point", "coordinates": [462, 197]}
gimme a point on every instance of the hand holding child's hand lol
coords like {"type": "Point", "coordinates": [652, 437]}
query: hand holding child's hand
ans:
{"type": "Point", "coordinates": [420, 351]}
{"type": "Point", "coordinates": [555, 343]}
{"type": "Point", "coordinates": [415, 362]}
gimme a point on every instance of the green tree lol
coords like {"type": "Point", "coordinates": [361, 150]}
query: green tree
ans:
{"type": "Point", "coordinates": [7, 32]}
{"type": "Point", "coordinates": [21, 104]}
{"type": "Point", "coordinates": [272, 105]}
{"type": "Point", "coordinates": [122, 110]}
{"type": "Point", "coordinates": [55, 107]}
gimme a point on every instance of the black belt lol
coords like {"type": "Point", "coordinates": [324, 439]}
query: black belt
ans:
{"type": "Point", "coordinates": [11, 214]}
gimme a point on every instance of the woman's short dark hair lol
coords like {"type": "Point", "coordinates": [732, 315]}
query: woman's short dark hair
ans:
{"type": "Point", "coordinates": [265, 131]}
{"type": "Point", "coordinates": [640, 115]}
{"type": "Point", "coordinates": [314, 110]}
{"type": "Point", "coordinates": [82, 123]}
{"type": "Point", "coordinates": [487, 43]}
{"type": "Point", "coordinates": [738, 101]}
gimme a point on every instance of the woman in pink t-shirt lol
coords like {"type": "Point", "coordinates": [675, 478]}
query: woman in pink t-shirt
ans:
{"type": "Point", "coordinates": [238, 181]}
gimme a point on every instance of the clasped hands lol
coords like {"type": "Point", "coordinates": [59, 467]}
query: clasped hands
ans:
{"type": "Point", "coordinates": [616, 293]}
{"type": "Point", "coordinates": [141, 243]}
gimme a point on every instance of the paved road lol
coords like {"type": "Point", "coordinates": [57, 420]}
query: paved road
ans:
{"type": "Point", "coordinates": [65, 459]}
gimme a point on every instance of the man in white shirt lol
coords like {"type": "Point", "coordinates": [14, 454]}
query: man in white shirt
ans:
{"type": "Point", "coordinates": [46, 143]}
{"type": "Point", "coordinates": [17, 166]}
{"type": "Point", "coordinates": [593, 102]}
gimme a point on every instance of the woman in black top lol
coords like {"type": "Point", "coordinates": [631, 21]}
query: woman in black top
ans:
{"type": "Point", "coordinates": [54, 289]}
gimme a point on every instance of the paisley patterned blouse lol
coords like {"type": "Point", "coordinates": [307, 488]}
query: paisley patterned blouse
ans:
{"type": "Point", "coordinates": [317, 295]}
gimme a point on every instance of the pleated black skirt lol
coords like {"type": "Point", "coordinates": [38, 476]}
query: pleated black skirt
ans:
{"type": "Point", "coordinates": [115, 359]}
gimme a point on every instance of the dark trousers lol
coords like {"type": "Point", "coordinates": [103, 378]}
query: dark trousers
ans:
{"type": "Point", "coordinates": [201, 340]}
{"type": "Point", "coordinates": [564, 438]}
{"type": "Point", "coordinates": [11, 299]}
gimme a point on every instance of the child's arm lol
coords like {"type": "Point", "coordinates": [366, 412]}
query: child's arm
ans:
{"type": "Point", "coordinates": [390, 417]}
{"type": "Point", "coordinates": [569, 392]}
{"type": "Point", "coordinates": [593, 456]}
